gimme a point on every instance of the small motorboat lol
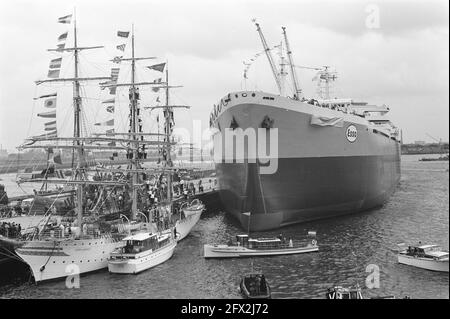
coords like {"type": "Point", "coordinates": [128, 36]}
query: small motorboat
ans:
{"type": "Point", "coordinates": [430, 257]}
{"type": "Point", "coordinates": [340, 292]}
{"type": "Point", "coordinates": [141, 252]}
{"type": "Point", "coordinates": [248, 247]}
{"type": "Point", "coordinates": [254, 286]}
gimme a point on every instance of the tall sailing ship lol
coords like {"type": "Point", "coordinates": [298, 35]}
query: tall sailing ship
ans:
{"type": "Point", "coordinates": [104, 195]}
{"type": "Point", "coordinates": [335, 156]}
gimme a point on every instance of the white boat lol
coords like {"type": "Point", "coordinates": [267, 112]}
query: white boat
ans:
{"type": "Point", "coordinates": [141, 252]}
{"type": "Point", "coordinates": [189, 218]}
{"type": "Point", "coordinates": [248, 247]}
{"type": "Point", "coordinates": [430, 257]}
{"type": "Point", "coordinates": [51, 258]}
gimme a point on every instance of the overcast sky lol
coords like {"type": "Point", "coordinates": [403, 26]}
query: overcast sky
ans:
{"type": "Point", "coordinates": [400, 60]}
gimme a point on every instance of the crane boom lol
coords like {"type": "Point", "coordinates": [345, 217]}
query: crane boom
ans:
{"type": "Point", "coordinates": [269, 57]}
{"type": "Point", "coordinates": [297, 90]}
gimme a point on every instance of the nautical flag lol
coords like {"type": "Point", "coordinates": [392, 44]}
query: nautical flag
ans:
{"type": "Point", "coordinates": [54, 74]}
{"type": "Point", "coordinates": [121, 47]}
{"type": "Point", "coordinates": [155, 89]}
{"type": "Point", "coordinates": [123, 34]}
{"type": "Point", "coordinates": [157, 99]}
{"type": "Point", "coordinates": [62, 37]}
{"type": "Point", "coordinates": [60, 47]}
{"type": "Point", "coordinates": [48, 115]}
{"type": "Point", "coordinates": [115, 73]}
{"type": "Point", "coordinates": [112, 90]}
{"type": "Point", "coordinates": [117, 59]}
{"type": "Point", "coordinates": [110, 109]}
{"type": "Point", "coordinates": [110, 132]}
{"type": "Point", "coordinates": [55, 63]}
{"type": "Point", "coordinates": [109, 101]}
{"type": "Point", "coordinates": [65, 19]}
{"type": "Point", "coordinates": [46, 95]}
{"type": "Point", "coordinates": [50, 126]}
{"type": "Point", "coordinates": [50, 103]}
{"type": "Point", "coordinates": [107, 123]}
{"type": "Point", "coordinates": [157, 67]}
{"type": "Point", "coordinates": [50, 134]}
{"type": "Point", "coordinates": [157, 80]}
{"type": "Point", "coordinates": [57, 159]}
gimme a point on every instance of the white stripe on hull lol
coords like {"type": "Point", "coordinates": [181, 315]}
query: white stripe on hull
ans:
{"type": "Point", "coordinates": [425, 263]}
{"type": "Point", "coordinates": [224, 251]}
{"type": "Point", "coordinates": [134, 266]}
{"type": "Point", "coordinates": [50, 259]}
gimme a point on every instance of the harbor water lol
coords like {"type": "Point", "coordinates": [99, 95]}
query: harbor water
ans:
{"type": "Point", "coordinates": [349, 245]}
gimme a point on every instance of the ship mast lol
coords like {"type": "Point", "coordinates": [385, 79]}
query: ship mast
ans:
{"type": "Point", "coordinates": [168, 119]}
{"type": "Point", "coordinates": [81, 163]}
{"type": "Point", "coordinates": [134, 161]}
{"type": "Point", "coordinates": [297, 89]}
{"type": "Point", "coordinates": [269, 57]}
{"type": "Point", "coordinates": [77, 128]}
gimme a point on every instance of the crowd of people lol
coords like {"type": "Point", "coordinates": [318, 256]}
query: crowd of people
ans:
{"type": "Point", "coordinates": [10, 230]}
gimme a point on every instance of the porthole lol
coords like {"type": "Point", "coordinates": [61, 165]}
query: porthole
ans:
{"type": "Point", "coordinates": [244, 94]}
{"type": "Point", "coordinates": [236, 95]}
{"type": "Point", "coordinates": [253, 94]}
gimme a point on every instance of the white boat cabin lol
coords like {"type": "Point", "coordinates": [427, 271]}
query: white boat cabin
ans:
{"type": "Point", "coordinates": [141, 242]}
{"type": "Point", "coordinates": [427, 251]}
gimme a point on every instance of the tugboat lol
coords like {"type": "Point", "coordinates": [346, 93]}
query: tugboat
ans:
{"type": "Point", "coordinates": [142, 251]}
{"type": "Point", "coordinates": [430, 257]}
{"type": "Point", "coordinates": [255, 286]}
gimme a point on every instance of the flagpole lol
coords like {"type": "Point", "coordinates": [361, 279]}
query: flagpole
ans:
{"type": "Point", "coordinates": [133, 128]}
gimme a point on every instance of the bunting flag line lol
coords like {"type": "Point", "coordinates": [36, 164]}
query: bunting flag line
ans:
{"type": "Point", "coordinates": [50, 126]}
{"type": "Point", "coordinates": [157, 67]}
{"type": "Point", "coordinates": [62, 36]}
{"type": "Point", "coordinates": [50, 134]}
{"type": "Point", "coordinates": [50, 103]}
{"type": "Point", "coordinates": [65, 19]}
{"type": "Point", "coordinates": [123, 34]}
{"type": "Point", "coordinates": [51, 114]}
{"type": "Point", "coordinates": [45, 95]}
{"type": "Point", "coordinates": [121, 47]}
{"type": "Point", "coordinates": [117, 59]}
{"type": "Point", "coordinates": [54, 74]}
{"type": "Point", "coordinates": [107, 123]}
{"type": "Point", "coordinates": [55, 63]}
{"type": "Point", "coordinates": [115, 74]}
{"type": "Point", "coordinates": [60, 47]}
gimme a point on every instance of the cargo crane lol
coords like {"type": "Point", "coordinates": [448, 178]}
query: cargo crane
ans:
{"type": "Point", "coordinates": [269, 57]}
{"type": "Point", "coordinates": [297, 89]}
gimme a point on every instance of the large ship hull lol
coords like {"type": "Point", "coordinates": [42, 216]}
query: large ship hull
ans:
{"type": "Point", "coordinates": [320, 172]}
{"type": "Point", "coordinates": [55, 259]}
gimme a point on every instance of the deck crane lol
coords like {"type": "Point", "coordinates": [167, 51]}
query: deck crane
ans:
{"type": "Point", "coordinates": [297, 89]}
{"type": "Point", "coordinates": [269, 56]}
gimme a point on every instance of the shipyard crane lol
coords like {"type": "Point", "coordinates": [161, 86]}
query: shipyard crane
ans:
{"type": "Point", "coordinates": [269, 56]}
{"type": "Point", "coordinates": [297, 89]}
{"type": "Point", "coordinates": [439, 141]}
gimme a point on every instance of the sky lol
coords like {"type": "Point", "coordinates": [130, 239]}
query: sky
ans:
{"type": "Point", "coordinates": [385, 52]}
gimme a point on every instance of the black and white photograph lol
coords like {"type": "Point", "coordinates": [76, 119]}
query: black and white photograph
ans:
{"type": "Point", "coordinates": [215, 152]}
